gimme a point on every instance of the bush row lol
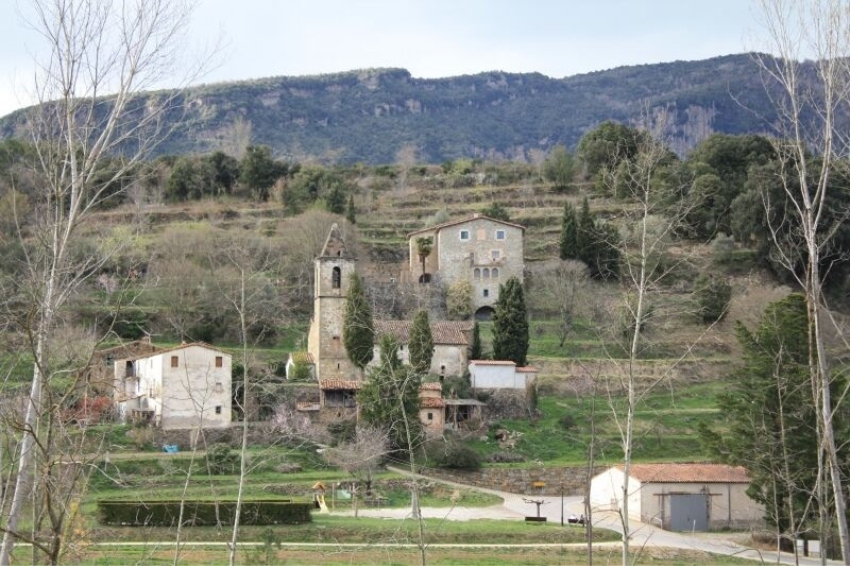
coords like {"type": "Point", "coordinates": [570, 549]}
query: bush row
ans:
{"type": "Point", "coordinates": [202, 513]}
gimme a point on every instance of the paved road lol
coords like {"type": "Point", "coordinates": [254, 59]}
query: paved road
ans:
{"type": "Point", "coordinates": [516, 507]}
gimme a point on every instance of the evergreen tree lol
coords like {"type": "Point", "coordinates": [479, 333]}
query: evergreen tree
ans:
{"type": "Point", "coordinates": [771, 416]}
{"type": "Point", "coordinates": [390, 398]}
{"type": "Point", "coordinates": [335, 201]}
{"type": "Point", "coordinates": [475, 350]}
{"type": "Point", "coordinates": [510, 323]}
{"type": "Point", "coordinates": [350, 211]}
{"type": "Point", "coordinates": [421, 344]}
{"type": "Point", "coordinates": [358, 331]}
{"type": "Point", "coordinates": [585, 236]}
{"type": "Point", "coordinates": [568, 244]}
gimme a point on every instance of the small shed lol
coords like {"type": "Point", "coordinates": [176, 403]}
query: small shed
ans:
{"type": "Point", "coordinates": [431, 406]}
{"type": "Point", "coordinates": [680, 497]}
{"type": "Point", "coordinates": [500, 374]}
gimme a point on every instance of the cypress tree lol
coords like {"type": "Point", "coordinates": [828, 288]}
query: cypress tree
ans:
{"type": "Point", "coordinates": [358, 330]}
{"type": "Point", "coordinates": [585, 235]}
{"type": "Point", "coordinates": [510, 323]}
{"type": "Point", "coordinates": [350, 212]}
{"type": "Point", "coordinates": [569, 233]}
{"type": "Point", "coordinates": [475, 351]}
{"type": "Point", "coordinates": [421, 344]}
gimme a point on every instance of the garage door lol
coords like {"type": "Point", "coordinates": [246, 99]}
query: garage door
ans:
{"type": "Point", "coordinates": [689, 512]}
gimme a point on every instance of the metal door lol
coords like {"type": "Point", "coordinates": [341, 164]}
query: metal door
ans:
{"type": "Point", "coordinates": [689, 512]}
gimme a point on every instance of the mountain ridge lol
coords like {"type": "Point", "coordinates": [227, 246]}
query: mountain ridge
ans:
{"type": "Point", "coordinates": [370, 115]}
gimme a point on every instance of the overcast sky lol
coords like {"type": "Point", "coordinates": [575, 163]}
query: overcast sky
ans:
{"type": "Point", "coordinates": [430, 38]}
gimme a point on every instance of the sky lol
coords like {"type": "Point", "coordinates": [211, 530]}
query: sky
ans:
{"type": "Point", "coordinates": [429, 38]}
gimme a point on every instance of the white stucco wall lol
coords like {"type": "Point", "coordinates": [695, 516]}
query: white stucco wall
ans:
{"type": "Point", "coordinates": [492, 376]}
{"type": "Point", "coordinates": [606, 492]}
{"type": "Point", "coordinates": [196, 393]}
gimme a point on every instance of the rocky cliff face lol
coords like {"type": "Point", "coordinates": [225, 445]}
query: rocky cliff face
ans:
{"type": "Point", "coordinates": [371, 115]}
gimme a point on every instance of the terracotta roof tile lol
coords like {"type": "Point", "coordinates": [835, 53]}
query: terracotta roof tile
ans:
{"type": "Point", "coordinates": [688, 473]}
{"type": "Point", "coordinates": [443, 332]}
{"type": "Point", "coordinates": [160, 351]}
{"type": "Point", "coordinates": [526, 369]}
{"type": "Point", "coordinates": [338, 384]}
{"type": "Point", "coordinates": [492, 363]}
{"type": "Point", "coordinates": [432, 386]}
{"type": "Point", "coordinates": [302, 357]}
{"type": "Point", "coordinates": [431, 403]}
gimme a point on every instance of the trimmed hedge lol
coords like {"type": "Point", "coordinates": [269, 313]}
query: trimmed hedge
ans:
{"type": "Point", "coordinates": [202, 513]}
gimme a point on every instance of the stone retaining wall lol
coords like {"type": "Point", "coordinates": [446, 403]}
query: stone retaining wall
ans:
{"type": "Point", "coordinates": [526, 481]}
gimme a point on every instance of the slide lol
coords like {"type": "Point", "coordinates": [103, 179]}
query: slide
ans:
{"type": "Point", "coordinates": [322, 507]}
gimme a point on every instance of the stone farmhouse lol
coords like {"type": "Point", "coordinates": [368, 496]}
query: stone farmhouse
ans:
{"type": "Point", "coordinates": [482, 250]}
{"type": "Point", "coordinates": [187, 387]}
{"type": "Point", "coordinates": [451, 344]}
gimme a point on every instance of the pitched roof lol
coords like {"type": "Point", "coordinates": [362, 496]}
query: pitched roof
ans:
{"type": "Point", "coordinates": [302, 357]}
{"type": "Point", "coordinates": [432, 386]}
{"type": "Point", "coordinates": [475, 216]}
{"type": "Point", "coordinates": [338, 384]}
{"type": "Point", "coordinates": [335, 245]}
{"type": "Point", "coordinates": [688, 473]}
{"type": "Point", "coordinates": [492, 363]}
{"type": "Point", "coordinates": [160, 351]}
{"type": "Point", "coordinates": [443, 332]}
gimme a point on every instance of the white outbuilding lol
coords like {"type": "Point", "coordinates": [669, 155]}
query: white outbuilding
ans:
{"type": "Point", "coordinates": [680, 497]}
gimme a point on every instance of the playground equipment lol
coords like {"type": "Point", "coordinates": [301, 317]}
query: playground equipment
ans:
{"type": "Point", "coordinates": [319, 497]}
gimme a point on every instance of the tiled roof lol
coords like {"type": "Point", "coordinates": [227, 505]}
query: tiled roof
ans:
{"type": "Point", "coordinates": [160, 351]}
{"type": "Point", "coordinates": [439, 227]}
{"type": "Point", "coordinates": [688, 473]}
{"type": "Point", "coordinates": [492, 363]}
{"type": "Point", "coordinates": [338, 384]}
{"type": "Point", "coordinates": [432, 386]}
{"type": "Point", "coordinates": [526, 369]}
{"type": "Point", "coordinates": [444, 332]}
{"type": "Point", "coordinates": [431, 403]}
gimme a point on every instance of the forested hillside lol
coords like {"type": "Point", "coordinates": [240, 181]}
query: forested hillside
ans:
{"type": "Point", "coordinates": [380, 116]}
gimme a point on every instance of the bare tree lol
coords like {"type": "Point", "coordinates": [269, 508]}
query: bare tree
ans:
{"type": "Point", "coordinates": [560, 284]}
{"type": "Point", "coordinates": [95, 48]}
{"type": "Point", "coordinates": [811, 100]}
{"type": "Point", "coordinates": [361, 457]}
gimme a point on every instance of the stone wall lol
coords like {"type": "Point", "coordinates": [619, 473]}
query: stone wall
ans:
{"type": "Point", "coordinates": [525, 481]}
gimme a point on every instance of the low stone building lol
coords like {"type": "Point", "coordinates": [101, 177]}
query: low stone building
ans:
{"type": "Point", "coordinates": [432, 408]}
{"type": "Point", "coordinates": [680, 497]}
{"type": "Point", "coordinates": [450, 338]}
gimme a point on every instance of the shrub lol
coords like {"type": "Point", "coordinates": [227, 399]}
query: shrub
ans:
{"type": "Point", "coordinates": [713, 296]}
{"type": "Point", "coordinates": [505, 458]}
{"type": "Point", "coordinates": [567, 422]}
{"type": "Point", "coordinates": [221, 460]}
{"type": "Point", "coordinates": [453, 455]}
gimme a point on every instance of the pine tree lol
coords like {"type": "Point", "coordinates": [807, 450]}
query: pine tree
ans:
{"type": "Point", "coordinates": [510, 323]}
{"type": "Point", "coordinates": [358, 331]}
{"type": "Point", "coordinates": [421, 344]}
{"type": "Point", "coordinates": [569, 233]}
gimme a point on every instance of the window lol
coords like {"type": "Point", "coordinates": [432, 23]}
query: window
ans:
{"type": "Point", "coordinates": [175, 361]}
{"type": "Point", "coordinates": [495, 272]}
{"type": "Point", "coordinates": [464, 235]}
{"type": "Point", "coordinates": [336, 278]}
{"type": "Point", "coordinates": [219, 388]}
{"type": "Point", "coordinates": [430, 416]}
{"type": "Point", "coordinates": [486, 292]}
{"type": "Point", "coordinates": [500, 234]}
{"type": "Point", "coordinates": [219, 361]}
{"type": "Point", "coordinates": [476, 273]}
{"type": "Point", "coordinates": [486, 273]}
{"type": "Point", "coordinates": [218, 409]}
{"type": "Point", "coordinates": [495, 254]}
{"type": "Point", "coordinates": [481, 235]}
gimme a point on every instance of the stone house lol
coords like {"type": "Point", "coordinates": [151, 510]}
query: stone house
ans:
{"type": "Point", "coordinates": [482, 250]}
{"type": "Point", "coordinates": [451, 344]}
{"type": "Point", "coordinates": [680, 497]}
{"type": "Point", "coordinates": [100, 373]}
{"type": "Point", "coordinates": [187, 387]}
